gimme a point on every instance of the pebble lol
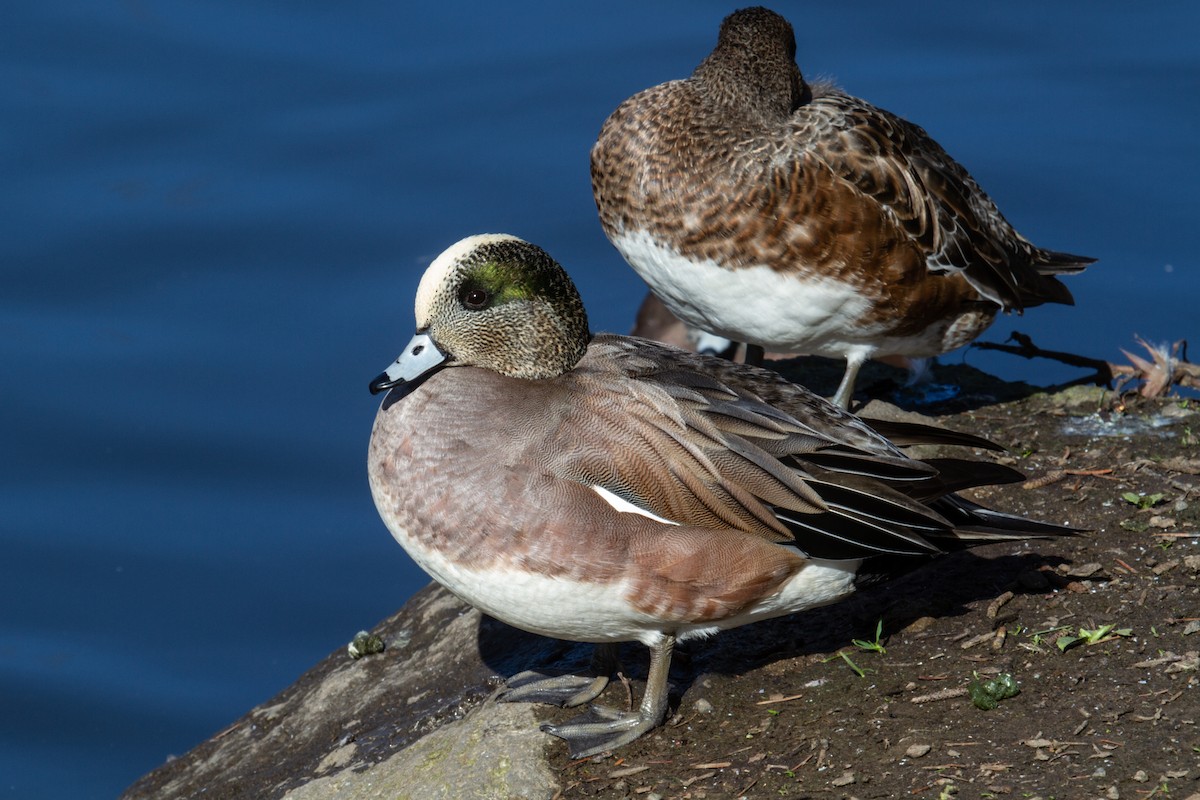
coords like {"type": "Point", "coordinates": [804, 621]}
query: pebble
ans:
{"type": "Point", "coordinates": [920, 625]}
{"type": "Point", "coordinates": [846, 779]}
{"type": "Point", "coordinates": [1165, 567]}
{"type": "Point", "coordinates": [918, 750]}
{"type": "Point", "coordinates": [702, 706]}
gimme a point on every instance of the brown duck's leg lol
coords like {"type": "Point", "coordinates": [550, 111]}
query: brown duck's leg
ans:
{"type": "Point", "coordinates": [845, 391]}
{"type": "Point", "coordinates": [568, 690]}
{"type": "Point", "coordinates": [601, 729]}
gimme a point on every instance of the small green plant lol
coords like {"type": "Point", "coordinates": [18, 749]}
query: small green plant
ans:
{"type": "Point", "coordinates": [859, 671]}
{"type": "Point", "coordinates": [1090, 636]}
{"type": "Point", "coordinates": [875, 646]}
{"type": "Point", "coordinates": [1143, 501]}
{"type": "Point", "coordinates": [1162, 789]}
{"type": "Point", "coordinates": [986, 695]}
{"type": "Point", "coordinates": [1036, 638]}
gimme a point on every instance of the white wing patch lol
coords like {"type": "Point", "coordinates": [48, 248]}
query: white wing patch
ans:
{"type": "Point", "coordinates": [626, 507]}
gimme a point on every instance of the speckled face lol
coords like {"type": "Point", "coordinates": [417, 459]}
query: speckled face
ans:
{"type": "Point", "coordinates": [498, 302]}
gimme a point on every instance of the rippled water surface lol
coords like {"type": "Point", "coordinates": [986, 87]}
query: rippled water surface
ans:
{"type": "Point", "coordinates": [213, 220]}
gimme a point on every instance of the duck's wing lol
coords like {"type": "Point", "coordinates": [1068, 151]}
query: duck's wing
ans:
{"type": "Point", "coordinates": [937, 203]}
{"type": "Point", "coordinates": [690, 448]}
{"type": "Point", "coordinates": [699, 444]}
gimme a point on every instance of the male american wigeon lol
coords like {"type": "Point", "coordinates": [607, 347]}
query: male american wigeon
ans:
{"type": "Point", "coordinates": [795, 217]}
{"type": "Point", "coordinates": [608, 488]}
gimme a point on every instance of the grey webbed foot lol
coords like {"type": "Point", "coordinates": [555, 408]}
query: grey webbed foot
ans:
{"type": "Point", "coordinates": [600, 729]}
{"type": "Point", "coordinates": [567, 691]}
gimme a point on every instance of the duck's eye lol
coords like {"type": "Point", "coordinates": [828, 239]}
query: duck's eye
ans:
{"type": "Point", "coordinates": [476, 299]}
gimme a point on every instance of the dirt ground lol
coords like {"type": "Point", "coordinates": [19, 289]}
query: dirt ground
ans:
{"type": "Point", "coordinates": [1100, 632]}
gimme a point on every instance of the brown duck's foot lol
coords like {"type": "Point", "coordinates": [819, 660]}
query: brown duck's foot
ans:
{"type": "Point", "coordinates": [601, 729]}
{"type": "Point", "coordinates": [567, 691]}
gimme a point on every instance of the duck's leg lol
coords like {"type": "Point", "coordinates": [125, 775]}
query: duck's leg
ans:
{"type": "Point", "coordinates": [563, 690]}
{"type": "Point", "coordinates": [845, 391]}
{"type": "Point", "coordinates": [601, 729]}
{"type": "Point", "coordinates": [755, 354]}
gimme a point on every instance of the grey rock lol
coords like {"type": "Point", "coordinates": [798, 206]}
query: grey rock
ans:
{"type": "Point", "coordinates": [418, 720]}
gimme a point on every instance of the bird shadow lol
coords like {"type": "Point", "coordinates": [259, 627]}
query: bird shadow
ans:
{"type": "Point", "coordinates": [945, 389]}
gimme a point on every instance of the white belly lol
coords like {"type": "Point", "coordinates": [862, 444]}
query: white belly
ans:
{"type": "Point", "coordinates": [782, 312]}
{"type": "Point", "coordinates": [601, 612]}
{"type": "Point", "coordinates": [562, 608]}
{"type": "Point", "coordinates": [787, 313]}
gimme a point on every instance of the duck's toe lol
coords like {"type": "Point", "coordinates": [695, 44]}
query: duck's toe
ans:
{"type": "Point", "coordinates": [601, 729]}
{"type": "Point", "coordinates": [567, 691]}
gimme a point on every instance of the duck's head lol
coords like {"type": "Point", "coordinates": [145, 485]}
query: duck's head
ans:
{"type": "Point", "coordinates": [497, 302]}
{"type": "Point", "coordinates": [753, 67]}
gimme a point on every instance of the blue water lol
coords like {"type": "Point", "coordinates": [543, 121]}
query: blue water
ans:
{"type": "Point", "coordinates": [212, 222]}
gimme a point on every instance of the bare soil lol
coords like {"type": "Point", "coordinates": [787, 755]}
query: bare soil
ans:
{"type": "Point", "coordinates": [773, 710]}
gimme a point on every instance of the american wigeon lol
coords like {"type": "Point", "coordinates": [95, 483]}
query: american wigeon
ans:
{"type": "Point", "coordinates": [608, 488]}
{"type": "Point", "coordinates": [795, 217]}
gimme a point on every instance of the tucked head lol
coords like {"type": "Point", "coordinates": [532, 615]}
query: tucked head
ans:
{"type": "Point", "coordinates": [753, 66]}
{"type": "Point", "coordinates": [756, 29]}
{"type": "Point", "coordinates": [497, 302]}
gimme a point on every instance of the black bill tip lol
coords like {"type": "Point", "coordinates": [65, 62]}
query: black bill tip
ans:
{"type": "Point", "coordinates": [382, 383]}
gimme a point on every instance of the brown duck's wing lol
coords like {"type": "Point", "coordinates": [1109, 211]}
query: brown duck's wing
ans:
{"type": "Point", "coordinates": [896, 164]}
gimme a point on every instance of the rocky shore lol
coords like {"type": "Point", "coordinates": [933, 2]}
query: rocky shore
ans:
{"type": "Point", "coordinates": [1100, 633]}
